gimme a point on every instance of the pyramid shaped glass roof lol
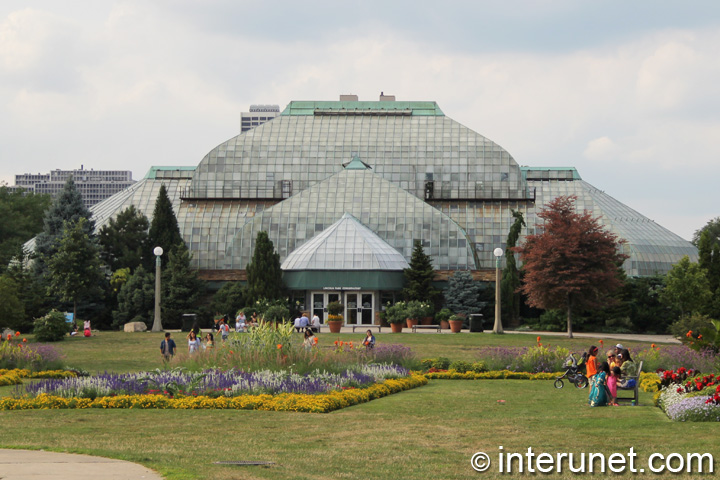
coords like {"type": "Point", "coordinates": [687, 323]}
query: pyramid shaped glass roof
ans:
{"type": "Point", "coordinates": [345, 245]}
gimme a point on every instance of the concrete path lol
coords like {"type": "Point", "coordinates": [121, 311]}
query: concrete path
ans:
{"type": "Point", "coordinates": [39, 464]}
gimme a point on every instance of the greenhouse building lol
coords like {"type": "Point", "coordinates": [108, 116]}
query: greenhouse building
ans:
{"type": "Point", "coordinates": [344, 188]}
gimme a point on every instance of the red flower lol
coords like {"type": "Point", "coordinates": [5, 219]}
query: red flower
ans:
{"type": "Point", "coordinates": [24, 340]}
{"type": "Point", "coordinates": [17, 334]}
{"type": "Point", "coordinates": [689, 334]}
{"type": "Point", "coordinates": [699, 337]}
{"type": "Point", "coordinates": [538, 338]}
{"type": "Point", "coordinates": [279, 346]}
{"type": "Point", "coordinates": [653, 345]}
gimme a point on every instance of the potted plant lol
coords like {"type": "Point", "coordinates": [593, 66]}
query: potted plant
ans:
{"type": "Point", "coordinates": [395, 315]}
{"type": "Point", "coordinates": [427, 314]}
{"type": "Point", "coordinates": [443, 316]}
{"type": "Point", "coordinates": [335, 319]}
{"type": "Point", "coordinates": [456, 323]}
{"type": "Point", "coordinates": [415, 311]}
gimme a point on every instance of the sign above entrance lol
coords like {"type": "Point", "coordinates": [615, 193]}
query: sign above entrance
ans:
{"type": "Point", "coordinates": [341, 288]}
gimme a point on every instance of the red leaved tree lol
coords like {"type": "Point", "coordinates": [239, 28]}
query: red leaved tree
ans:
{"type": "Point", "coordinates": [573, 264]}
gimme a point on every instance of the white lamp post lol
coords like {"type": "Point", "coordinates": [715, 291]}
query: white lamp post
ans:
{"type": "Point", "coordinates": [157, 324]}
{"type": "Point", "coordinates": [498, 252]}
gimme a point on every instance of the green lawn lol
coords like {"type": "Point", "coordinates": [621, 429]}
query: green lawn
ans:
{"type": "Point", "coordinates": [427, 433]}
{"type": "Point", "coordinates": [127, 352]}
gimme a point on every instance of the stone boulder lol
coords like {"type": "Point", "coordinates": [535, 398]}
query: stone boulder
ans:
{"type": "Point", "coordinates": [135, 327]}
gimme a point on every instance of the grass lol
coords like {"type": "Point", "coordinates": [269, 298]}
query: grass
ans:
{"type": "Point", "coordinates": [133, 352]}
{"type": "Point", "coordinates": [426, 433]}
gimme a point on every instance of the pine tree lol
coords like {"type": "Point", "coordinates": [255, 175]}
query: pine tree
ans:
{"type": "Point", "coordinates": [124, 240]}
{"type": "Point", "coordinates": [574, 264]}
{"type": "Point", "coordinates": [419, 277]}
{"type": "Point", "coordinates": [181, 288]}
{"type": "Point", "coordinates": [68, 206]}
{"type": "Point", "coordinates": [164, 231]}
{"type": "Point", "coordinates": [136, 299]}
{"type": "Point", "coordinates": [511, 278]}
{"type": "Point", "coordinates": [463, 294]}
{"type": "Point", "coordinates": [75, 268]}
{"type": "Point", "coordinates": [264, 277]}
{"type": "Point", "coordinates": [229, 299]}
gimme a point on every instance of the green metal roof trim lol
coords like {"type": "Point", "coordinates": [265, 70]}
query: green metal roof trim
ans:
{"type": "Point", "coordinates": [357, 164]}
{"type": "Point", "coordinates": [426, 109]}
{"type": "Point", "coordinates": [534, 171]}
{"type": "Point", "coordinates": [365, 280]}
{"type": "Point", "coordinates": [152, 173]}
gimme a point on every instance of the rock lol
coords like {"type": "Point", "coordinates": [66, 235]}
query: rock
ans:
{"type": "Point", "coordinates": [135, 327]}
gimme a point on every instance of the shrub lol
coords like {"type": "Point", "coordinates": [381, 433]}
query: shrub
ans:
{"type": "Point", "coordinates": [396, 313]}
{"type": "Point", "coordinates": [689, 323]}
{"type": "Point", "coordinates": [440, 363]}
{"type": "Point", "coordinates": [51, 328]}
{"type": "Point", "coordinates": [276, 313]}
{"type": "Point", "coordinates": [460, 366]}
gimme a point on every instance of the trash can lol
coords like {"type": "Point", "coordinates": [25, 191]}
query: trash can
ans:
{"type": "Point", "coordinates": [476, 322]}
{"type": "Point", "coordinates": [188, 320]}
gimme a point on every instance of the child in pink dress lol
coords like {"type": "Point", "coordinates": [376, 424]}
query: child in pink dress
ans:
{"type": "Point", "coordinates": [612, 384]}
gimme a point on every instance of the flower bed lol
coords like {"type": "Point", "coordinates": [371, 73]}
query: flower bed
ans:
{"type": "Point", "coordinates": [321, 403]}
{"type": "Point", "coordinates": [15, 376]}
{"type": "Point", "coordinates": [214, 383]}
{"type": "Point", "coordinates": [493, 375]}
{"type": "Point", "coordinates": [695, 399]}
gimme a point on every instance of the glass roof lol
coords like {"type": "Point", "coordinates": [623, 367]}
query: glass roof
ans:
{"type": "Point", "coordinates": [394, 215]}
{"type": "Point", "coordinates": [345, 245]}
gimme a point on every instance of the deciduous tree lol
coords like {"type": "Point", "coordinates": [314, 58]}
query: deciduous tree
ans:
{"type": "Point", "coordinates": [573, 264]}
{"type": "Point", "coordinates": [687, 290]}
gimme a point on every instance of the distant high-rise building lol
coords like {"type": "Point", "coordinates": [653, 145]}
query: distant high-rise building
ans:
{"type": "Point", "coordinates": [94, 185]}
{"type": "Point", "coordinates": [258, 115]}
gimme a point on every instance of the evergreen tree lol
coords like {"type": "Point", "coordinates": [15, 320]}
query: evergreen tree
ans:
{"type": "Point", "coordinates": [136, 299]}
{"type": "Point", "coordinates": [124, 240]}
{"type": "Point", "coordinates": [12, 310]}
{"type": "Point", "coordinates": [164, 231]}
{"type": "Point", "coordinates": [419, 277]}
{"type": "Point", "coordinates": [574, 264]}
{"type": "Point", "coordinates": [181, 288]}
{"type": "Point", "coordinates": [264, 277]}
{"type": "Point", "coordinates": [463, 294]}
{"type": "Point", "coordinates": [75, 268]}
{"type": "Point", "coordinates": [68, 206]}
{"type": "Point", "coordinates": [511, 278]}
{"type": "Point", "coordinates": [22, 218]}
{"type": "Point", "coordinates": [229, 299]}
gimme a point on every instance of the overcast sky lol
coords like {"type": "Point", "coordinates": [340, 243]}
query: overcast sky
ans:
{"type": "Point", "coordinates": [626, 92]}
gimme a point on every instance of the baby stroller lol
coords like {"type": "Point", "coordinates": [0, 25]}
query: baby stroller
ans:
{"type": "Point", "coordinates": [573, 373]}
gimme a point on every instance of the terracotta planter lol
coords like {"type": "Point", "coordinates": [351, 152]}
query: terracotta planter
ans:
{"type": "Point", "coordinates": [426, 321]}
{"type": "Point", "coordinates": [444, 324]}
{"type": "Point", "coordinates": [455, 326]}
{"type": "Point", "coordinates": [411, 322]}
{"type": "Point", "coordinates": [396, 327]}
{"type": "Point", "coordinates": [335, 325]}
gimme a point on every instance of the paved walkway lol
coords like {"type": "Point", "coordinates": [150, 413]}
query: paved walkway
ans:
{"type": "Point", "coordinates": [39, 464]}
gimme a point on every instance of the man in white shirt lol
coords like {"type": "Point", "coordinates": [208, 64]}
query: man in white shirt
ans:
{"type": "Point", "coordinates": [315, 325]}
{"type": "Point", "coordinates": [297, 324]}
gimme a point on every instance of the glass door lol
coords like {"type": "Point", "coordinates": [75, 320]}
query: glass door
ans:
{"type": "Point", "coordinates": [320, 302]}
{"type": "Point", "coordinates": [359, 308]}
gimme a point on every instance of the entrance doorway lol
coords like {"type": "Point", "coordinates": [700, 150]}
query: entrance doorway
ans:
{"type": "Point", "coordinates": [359, 306]}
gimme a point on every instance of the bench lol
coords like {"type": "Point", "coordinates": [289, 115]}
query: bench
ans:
{"type": "Point", "coordinates": [365, 327]}
{"type": "Point", "coordinates": [635, 390]}
{"type": "Point", "coordinates": [433, 327]}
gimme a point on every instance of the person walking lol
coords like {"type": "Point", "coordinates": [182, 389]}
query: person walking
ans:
{"type": "Point", "coordinates": [168, 347]}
